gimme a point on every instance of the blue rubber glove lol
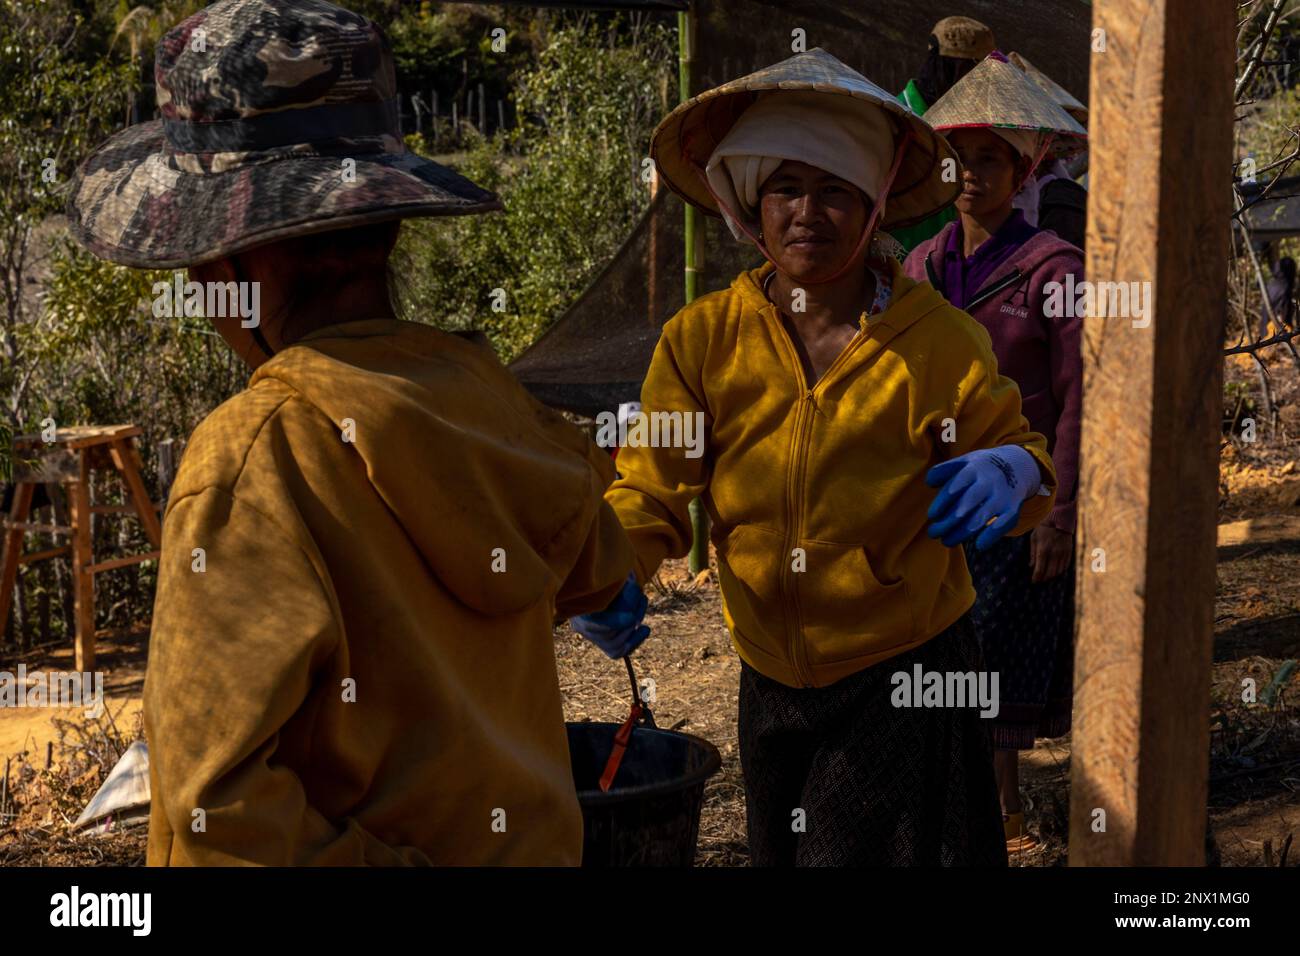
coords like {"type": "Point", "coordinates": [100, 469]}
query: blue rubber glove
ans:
{"type": "Point", "coordinates": [979, 486]}
{"type": "Point", "coordinates": [617, 630]}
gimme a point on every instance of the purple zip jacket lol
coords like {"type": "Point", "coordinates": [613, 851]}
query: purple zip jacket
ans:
{"type": "Point", "coordinates": [1039, 353]}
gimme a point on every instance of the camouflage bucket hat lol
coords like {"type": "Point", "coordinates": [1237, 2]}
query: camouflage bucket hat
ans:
{"type": "Point", "coordinates": [278, 120]}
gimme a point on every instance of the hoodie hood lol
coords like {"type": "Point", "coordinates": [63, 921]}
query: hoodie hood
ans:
{"type": "Point", "coordinates": [1038, 250]}
{"type": "Point", "coordinates": [909, 303]}
{"type": "Point", "coordinates": [1032, 255]}
{"type": "Point", "coordinates": [481, 477]}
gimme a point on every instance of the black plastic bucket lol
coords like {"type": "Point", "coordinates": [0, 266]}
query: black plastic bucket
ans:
{"type": "Point", "coordinates": [651, 815]}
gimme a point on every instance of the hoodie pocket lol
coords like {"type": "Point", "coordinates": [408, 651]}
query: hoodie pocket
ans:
{"type": "Point", "coordinates": [749, 572]}
{"type": "Point", "coordinates": [846, 610]}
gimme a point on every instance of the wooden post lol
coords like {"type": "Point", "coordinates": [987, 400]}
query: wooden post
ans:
{"type": "Point", "coordinates": [83, 581]}
{"type": "Point", "coordinates": [1158, 213]}
{"type": "Point", "coordinates": [64, 579]}
{"type": "Point", "coordinates": [126, 458]}
{"type": "Point", "coordinates": [12, 551]}
{"type": "Point", "coordinates": [44, 576]}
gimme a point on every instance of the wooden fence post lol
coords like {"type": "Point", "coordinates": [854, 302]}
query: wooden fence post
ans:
{"type": "Point", "coordinates": [1161, 115]}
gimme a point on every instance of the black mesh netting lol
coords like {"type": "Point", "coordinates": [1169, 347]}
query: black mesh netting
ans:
{"type": "Point", "coordinates": [1275, 215]}
{"type": "Point", "coordinates": [597, 352]}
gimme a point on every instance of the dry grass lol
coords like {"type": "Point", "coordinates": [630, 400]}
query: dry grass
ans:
{"type": "Point", "coordinates": [45, 800]}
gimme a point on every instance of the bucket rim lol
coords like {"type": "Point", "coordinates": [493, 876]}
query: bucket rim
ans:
{"type": "Point", "coordinates": [711, 764]}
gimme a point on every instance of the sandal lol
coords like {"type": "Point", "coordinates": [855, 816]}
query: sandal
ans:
{"type": "Point", "coordinates": [1018, 838]}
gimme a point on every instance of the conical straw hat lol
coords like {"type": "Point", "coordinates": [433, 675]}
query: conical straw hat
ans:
{"type": "Point", "coordinates": [124, 796]}
{"type": "Point", "coordinates": [996, 93]}
{"type": "Point", "coordinates": [689, 134]}
{"type": "Point", "coordinates": [1057, 93]}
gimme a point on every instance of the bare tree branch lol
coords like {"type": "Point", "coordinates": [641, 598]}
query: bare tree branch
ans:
{"type": "Point", "coordinates": [1261, 44]}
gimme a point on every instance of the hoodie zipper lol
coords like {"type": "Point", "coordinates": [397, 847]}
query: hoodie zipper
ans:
{"type": "Point", "coordinates": [796, 476]}
{"type": "Point", "coordinates": [932, 274]}
{"type": "Point", "coordinates": [981, 297]}
{"type": "Point", "coordinates": [985, 294]}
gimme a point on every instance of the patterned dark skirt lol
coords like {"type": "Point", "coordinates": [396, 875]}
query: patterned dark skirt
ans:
{"type": "Point", "coordinates": [1026, 632]}
{"type": "Point", "coordinates": [877, 785]}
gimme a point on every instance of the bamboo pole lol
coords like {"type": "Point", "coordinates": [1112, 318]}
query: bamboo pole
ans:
{"type": "Point", "coordinates": [82, 558]}
{"type": "Point", "coordinates": [699, 558]}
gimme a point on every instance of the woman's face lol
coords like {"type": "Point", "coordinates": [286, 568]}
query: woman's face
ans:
{"type": "Point", "coordinates": [991, 170]}
{"type": "Point", "coordinates": [812, 220]}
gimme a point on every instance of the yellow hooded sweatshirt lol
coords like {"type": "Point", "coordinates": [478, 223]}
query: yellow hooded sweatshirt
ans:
{"type": "Point", "coordinates": [817, 495]}
{"type": "Point", "coordinates": [352, 658]}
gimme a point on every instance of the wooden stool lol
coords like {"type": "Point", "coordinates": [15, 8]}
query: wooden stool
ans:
{"type": "Point", "coordinates": [68, 461]}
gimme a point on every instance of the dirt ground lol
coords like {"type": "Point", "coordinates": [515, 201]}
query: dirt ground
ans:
{"type": "Point", "coordinates": [1255, 755]}
{"type": "Point", "coordinates": [1254, 805]}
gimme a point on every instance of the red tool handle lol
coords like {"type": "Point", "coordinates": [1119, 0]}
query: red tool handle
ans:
{"type": "Point", "coordinates": [621, 738]}
{"type": "Point", "coordinates": [640, 714]}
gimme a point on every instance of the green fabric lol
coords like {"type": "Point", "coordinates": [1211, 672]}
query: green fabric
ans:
{"type": "Point", "coordinates": [911, 98]}
{"type": "Point", "coordinates": [909, 237]}
{"type": "Point", "coordinates": [912, 236]}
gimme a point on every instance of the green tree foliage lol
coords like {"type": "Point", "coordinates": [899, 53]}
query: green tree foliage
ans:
{"type": "Point", "coordinates": [143, 25]}
{"type": "Point", "coordinates": [104, 356]}
{"type": "Point", "coordinates": [53, 108]}
{"type": "Point", "coordinates": [77, 341]}
{"type": "Point", "coordinates": [570, 180]}
{"type": "Point", "coordinates": [1268, 141]}
{"type": "Point", "coordinates": [448, 47]}
{"type": "Point", "coordinates": [101, 356]}
{"type": "Point", "coordinates": [1270, 105]}
{"type": "Point", "coordinates": [82, 344]}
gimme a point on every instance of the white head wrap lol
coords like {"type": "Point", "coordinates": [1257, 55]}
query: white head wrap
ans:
{"type": "Point", "coordinates": [1030, 195]}
{"type": "Point", "coordinates": [847, 137]}
{"type": "Point", "coordinates": [1025, 142]}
